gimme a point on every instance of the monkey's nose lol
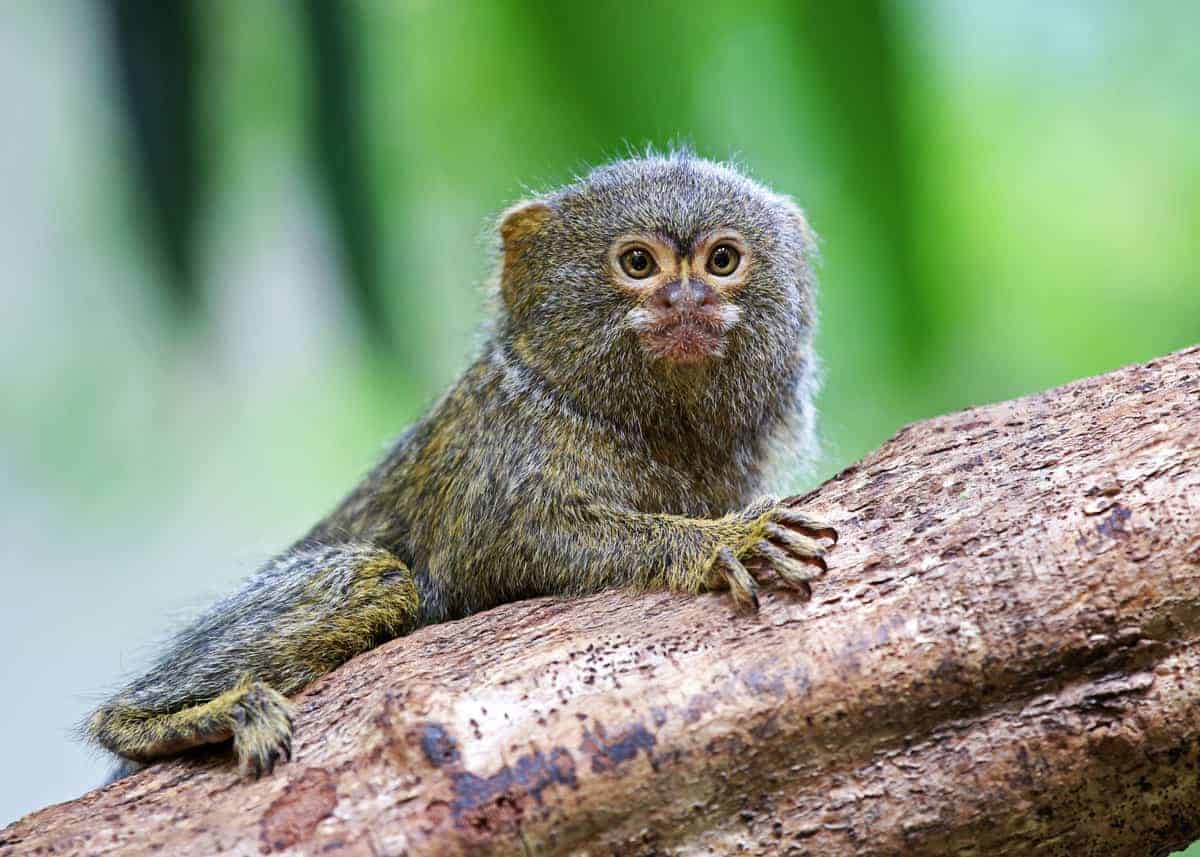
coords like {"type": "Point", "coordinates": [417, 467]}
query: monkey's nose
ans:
{"type": "Point", "coordinates": [680, 294]}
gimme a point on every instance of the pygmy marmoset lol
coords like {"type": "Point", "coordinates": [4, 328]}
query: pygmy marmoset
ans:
{"type": "Point", "coordinates": [653, 344]}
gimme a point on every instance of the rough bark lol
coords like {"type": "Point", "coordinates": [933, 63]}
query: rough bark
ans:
{"type": "Point", "coordinates": [1002, 660]}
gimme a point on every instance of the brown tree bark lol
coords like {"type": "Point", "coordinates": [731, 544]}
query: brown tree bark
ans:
{"type": "Point", "coordinates": [1002, 660]}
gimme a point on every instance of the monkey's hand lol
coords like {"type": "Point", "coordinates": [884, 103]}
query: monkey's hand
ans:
{"type": "Point", "coordinates": [770, 534]}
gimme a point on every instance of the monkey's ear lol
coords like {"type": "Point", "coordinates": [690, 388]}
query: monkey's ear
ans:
{"type": "Point", "coordinates": [519, 225]}
{"type": "Point", "coordinates": [522, 221]}
{"type": "Point", "coordinates": [808, 237]}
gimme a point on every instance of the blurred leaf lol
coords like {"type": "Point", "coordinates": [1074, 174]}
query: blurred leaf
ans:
{"type": "Point", "coordinates": [156, 57]}
{"type": "Point", "coordinates": [849, 55]}
{"type": "Point", "coordinates": [337, 129]}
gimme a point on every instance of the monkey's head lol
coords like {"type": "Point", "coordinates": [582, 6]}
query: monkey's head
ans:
{"type": "Point", "coordinates": [676, 276]}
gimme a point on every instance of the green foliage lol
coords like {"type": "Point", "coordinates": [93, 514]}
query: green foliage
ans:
{"type": "Point", "coordinates": [997, 216]}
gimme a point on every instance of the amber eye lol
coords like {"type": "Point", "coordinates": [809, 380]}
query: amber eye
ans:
{"type": "Point", "coordinates": [637, 263]}
{"type": "Point", "coordinates": [723, 260]}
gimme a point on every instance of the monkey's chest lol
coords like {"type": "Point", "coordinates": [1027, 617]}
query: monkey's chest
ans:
{"type": "Point", "coordinates": [694, 490]}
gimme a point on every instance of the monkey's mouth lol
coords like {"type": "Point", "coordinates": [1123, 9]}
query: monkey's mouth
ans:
{"type": "Point", "coordinates": [691, 337]}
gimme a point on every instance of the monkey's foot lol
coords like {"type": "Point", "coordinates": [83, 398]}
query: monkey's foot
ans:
{"type": "Point", "coordinates": [782, 538]}
{"type": "Point", "coordinates": [262, 728]}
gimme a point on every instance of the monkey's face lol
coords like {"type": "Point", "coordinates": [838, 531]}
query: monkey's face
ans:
{"type": "Point", "coordinates": [683, 297]}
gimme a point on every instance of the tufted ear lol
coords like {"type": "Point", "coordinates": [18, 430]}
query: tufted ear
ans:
{"type": "Point", "coordinates": [522, 221]}
{"type": "Point", "coordinates": [519, 227]}
{"type": "Point", "coordinates": [808, 237]}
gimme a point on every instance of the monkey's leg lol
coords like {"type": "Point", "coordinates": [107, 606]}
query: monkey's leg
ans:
{"type": "Point", "coordinates": [226, 676]}
{"type": "Point", "coordinates": [256, 716]}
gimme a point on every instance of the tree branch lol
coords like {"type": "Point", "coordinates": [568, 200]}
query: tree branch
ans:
{"type": "Point", "coordinates": [1003, 658]}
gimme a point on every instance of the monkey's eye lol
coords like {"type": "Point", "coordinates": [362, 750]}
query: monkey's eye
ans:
{"type": "Point", "coordinates": [637, 263]}
{"type": "Point", "coordinates": [723, 260]}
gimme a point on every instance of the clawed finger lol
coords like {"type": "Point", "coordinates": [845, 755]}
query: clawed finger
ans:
{"type": "Point", "coordinates": [793, 517]}
{"type": "Point", "coordinates": [796, 544]}
{"type": "Point", "coordinates": [794, 571]}
{"type": "Point", "coordinates": [741, 583]}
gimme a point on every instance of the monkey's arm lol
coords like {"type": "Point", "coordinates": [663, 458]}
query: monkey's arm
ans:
{"type": "Point", "coordinates": [224, 677]}
{"type": "Point", "coordinates": [595, 546]}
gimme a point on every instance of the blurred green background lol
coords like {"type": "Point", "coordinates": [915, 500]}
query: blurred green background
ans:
{"type": "Point", "coordinates": [243, 243]}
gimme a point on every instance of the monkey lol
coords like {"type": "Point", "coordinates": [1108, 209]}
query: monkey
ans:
{"type": "Point", "coordinates": [651, 352]}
